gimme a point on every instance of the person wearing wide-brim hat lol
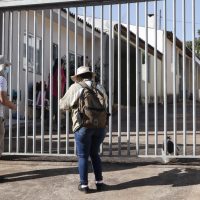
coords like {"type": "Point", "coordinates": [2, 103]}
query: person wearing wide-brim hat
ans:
{"type": "Point", "coordinates": [82, 71]}
{"type": "Point", "coordinates": [88, 140]}
{"type": "Point", "coordinates": [4, 101]}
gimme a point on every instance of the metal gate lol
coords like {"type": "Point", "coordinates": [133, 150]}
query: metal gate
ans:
{"type": "Point", "coordinates": [143, 55]}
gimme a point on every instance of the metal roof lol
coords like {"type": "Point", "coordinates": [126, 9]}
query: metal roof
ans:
{"type": "Point", "coordinates": [47, 4]}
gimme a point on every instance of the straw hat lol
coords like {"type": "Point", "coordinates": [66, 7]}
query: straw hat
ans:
{"type": "Point", "coordinates": [3, 63]}
{"type": "Point", "coordinates": [82, 70]}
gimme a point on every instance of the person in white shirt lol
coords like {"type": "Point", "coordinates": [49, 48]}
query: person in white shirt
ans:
{"type": "Point", "coordinates": [4, 101]}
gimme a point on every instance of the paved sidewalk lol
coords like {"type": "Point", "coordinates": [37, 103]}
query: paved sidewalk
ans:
{"type": "Point", "coordinates": [31, 180]}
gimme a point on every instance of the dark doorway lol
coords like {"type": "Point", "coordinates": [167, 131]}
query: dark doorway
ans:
{"type": "Point", "coordinates": [124, 73]}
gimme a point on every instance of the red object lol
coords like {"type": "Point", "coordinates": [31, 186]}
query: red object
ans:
{"type": "Point", "coordinates": [55, 82]}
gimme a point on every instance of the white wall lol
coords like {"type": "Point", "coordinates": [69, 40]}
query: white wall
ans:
{"type": "Point", "coordinates": [160, 47]}
{"type": "Point", "coordinates": [151, 36]}
{"type": "Point", "coordinates": [189, 81]}
{"type": "Point", "coordinates": [151, 81]}
{"type": "Point", "coordinates": [170, 69]}
{"type": "Point", "coordinates": [46, 48]}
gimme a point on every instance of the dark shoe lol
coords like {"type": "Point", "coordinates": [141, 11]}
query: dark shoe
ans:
{"type": "Point", "coordinates": [100, 186]}
{"type": "Point", "coordinates": [2, 179]}
{"type": "Point", "coordinates": [85, 189]}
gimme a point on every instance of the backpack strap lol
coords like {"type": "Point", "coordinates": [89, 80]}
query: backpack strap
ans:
{"type": "Point", "coordinates": [84, 85]}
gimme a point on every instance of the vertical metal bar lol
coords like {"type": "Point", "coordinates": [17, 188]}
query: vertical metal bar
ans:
{"type": "Point", "coordinates": [26, 84]}
{"type": "Point", "coordinates": [67, 76]}
{"type": "Point", "coordinates": [75, 49]}
{"type": "Point", "coordinates": [128, 78]}
{"type": "Point", "coordinates": [110, 81]}
{"type": "Point", "coordinates": [3, 33]}
{"type": "Point", "coordinates": [165, 77]}
{"type": "Point", "coordinates": [18, 80]}
{"type": "Point", "coordinates": [146, 79]}
{"type": "Point", "coordinates": [197, 79]}
{"type": "Point", "coordinates": [50, 80]}
{"type": "Point", "coordinates": [101, 58]}
{"type": "Point", "coordinates": [93, 25]}
{"type": "Point", "coordinates": [84, 36]}
{"type": "Point", "coordinates": [59, 77]}
{"type": "Point", "coordinates": [101, 53]}
{"type": "Point", "coordinates": [174, 75]}
{"type": "Point", "coordinates": [42, 95]}
{"type": "Point", "coordinates": [194, 77]}
{"type": "Point", "coordinates": [34, 85]}
{"type": "Point", "coordinates": [10, 81]}
{"type": "Point", "coordinates": [137, 79]}
{"type": "Point", "coordinates": [119, 79]}
{"type": "Point", "coordinates": [184, 81]}
{"type": "Point", "coordinates": [189, 75]}
{"type": "Point", "coordinates": [155, 81]}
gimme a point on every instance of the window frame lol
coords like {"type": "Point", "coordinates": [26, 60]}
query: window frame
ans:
{"type": "Point", "coordinates": [38, 69]}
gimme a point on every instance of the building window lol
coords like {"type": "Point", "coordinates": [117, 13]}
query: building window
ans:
{"type": "Point", "coordinates": [55, 51]}
{"type": "Point", "coordinates": [144, 68]}
{"type": "Point", "coordinates": [149, 69]}
{"type": "Point", "coordinates": [72, 62]}
{"type": "Point", "coordinates": [143, 58]}
{"type": "Point", "coordinates": [31, 53]}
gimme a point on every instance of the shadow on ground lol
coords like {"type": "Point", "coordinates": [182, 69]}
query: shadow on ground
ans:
{"type": "Point", "coordinates": [176, 177]}
{"type": "Point", "coordinates": [44, 173]}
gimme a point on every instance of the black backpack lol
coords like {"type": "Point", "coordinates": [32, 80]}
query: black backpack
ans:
{"type": "Point", "coordinates": [170, 145]}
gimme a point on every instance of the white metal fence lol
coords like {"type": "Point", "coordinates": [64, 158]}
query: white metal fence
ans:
{"type": "Point", "coordinates": [150, 75]}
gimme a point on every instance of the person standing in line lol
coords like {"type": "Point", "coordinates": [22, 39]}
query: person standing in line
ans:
{"type": "Point", "coordinates": [55, 88]}
{"type": "Point", "coordinates": [88, 126]}
{"type": "Point", "coordinates": [4, 101]}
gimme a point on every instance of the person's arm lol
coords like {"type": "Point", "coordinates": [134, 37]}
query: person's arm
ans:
{"type": "Point", "coordinates": [70, 98]}
{"type": "Point", "coordinates": [5, 101]}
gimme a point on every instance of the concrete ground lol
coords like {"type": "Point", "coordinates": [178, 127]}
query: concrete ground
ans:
{"type": "Point", "coordinates": [128, 178]}
{"type": "Point", "coordinates": [44, 180]}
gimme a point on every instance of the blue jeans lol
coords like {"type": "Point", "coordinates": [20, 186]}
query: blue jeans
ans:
{"type": "Point", "coordinates": [88, 141]}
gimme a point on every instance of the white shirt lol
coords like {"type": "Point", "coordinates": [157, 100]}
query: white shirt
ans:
{"type": "Point", "coordinates": [3, 88]}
